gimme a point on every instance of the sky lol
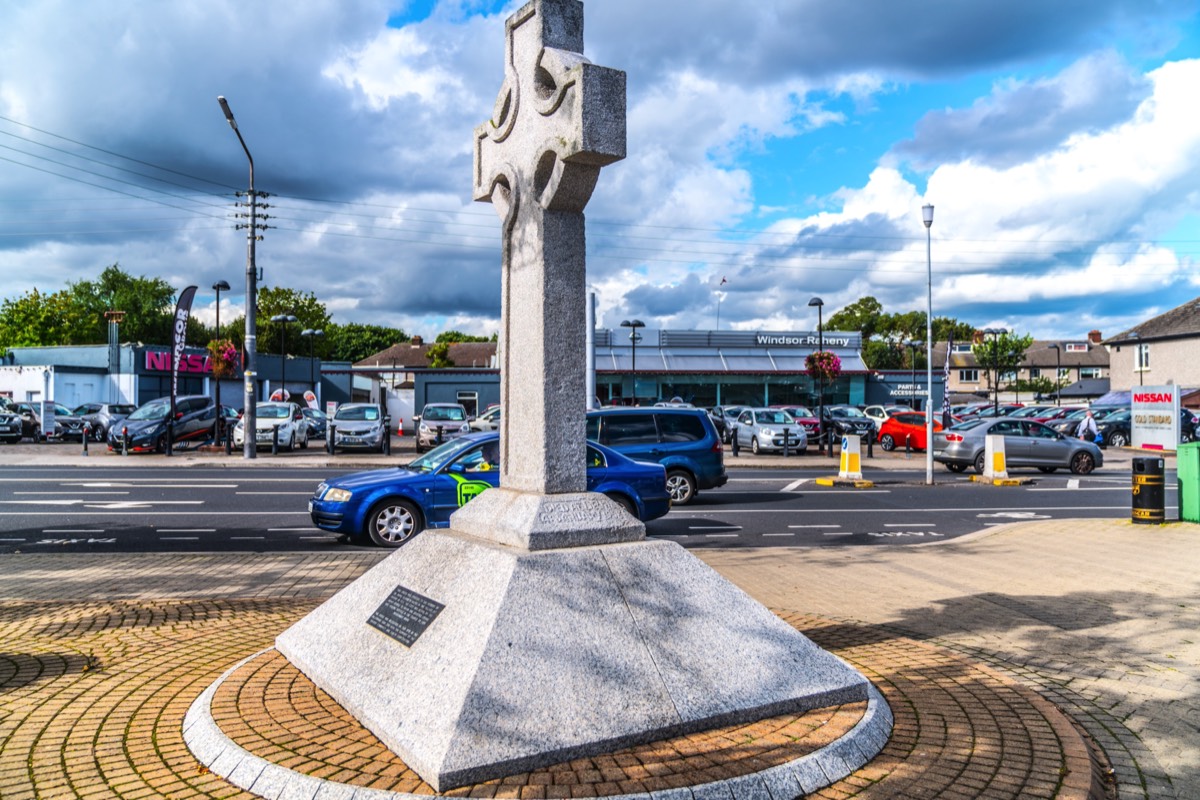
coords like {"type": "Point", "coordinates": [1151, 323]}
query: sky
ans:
{"type": "Point", "coordinates": [777, 151]}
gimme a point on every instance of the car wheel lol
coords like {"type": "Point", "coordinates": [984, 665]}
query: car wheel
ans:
{"type": "Point", "coordinates": [304, 442]}
{"type": "Point", "coordinates": [99, 434]}
{"type": "Point", "coordinates": [1082, 463]}
{"type": "Point", "coordinates": [161, 445]}
{"type": "Point", "coordinates": [625, 503]}
{"type": "Point", "coordinates": [681, 486]}
{"type": "Point", "coordinates": [953, 467]}
{"type": "Point", "coordinates": [1048, 470]}
{"type": "Point", "coordinates": [393, 522]}
{"type": "Point", "coordinates": [887, 442]}
{"type": "Point", "coordinates": [1118, 439]}
{"type": "Point", "coordinates": [979, 462]}
{"type": "Point", "coordinates": [754, 445]}
{"type": "Point", "coordinates": [291, 445]}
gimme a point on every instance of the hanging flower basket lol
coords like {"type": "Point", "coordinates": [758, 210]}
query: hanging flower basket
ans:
{"type": "Point", "coordinates": [224, 358]}
{"type": "Point", "coordinates": [823, 365]}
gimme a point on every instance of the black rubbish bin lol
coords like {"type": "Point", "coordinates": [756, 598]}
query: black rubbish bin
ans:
{"type": "Point", "coordinates": [1148, 491]}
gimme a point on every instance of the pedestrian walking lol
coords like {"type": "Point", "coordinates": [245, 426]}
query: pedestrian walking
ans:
{"type": "Point", "coordinates": [1087, 429]}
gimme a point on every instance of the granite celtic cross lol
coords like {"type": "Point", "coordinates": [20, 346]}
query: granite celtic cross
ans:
{"type": "Point", "coordinates": [558, 119]}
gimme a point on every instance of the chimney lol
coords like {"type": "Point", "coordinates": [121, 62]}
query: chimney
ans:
{"type": "Point", "coordinates": [1094, 337]}
{"type": "Point", "coordinates": [417, 341]}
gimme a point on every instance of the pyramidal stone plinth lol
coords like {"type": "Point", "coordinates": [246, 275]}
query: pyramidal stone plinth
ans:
{"type": "Point", "coordinates": [538, 657]}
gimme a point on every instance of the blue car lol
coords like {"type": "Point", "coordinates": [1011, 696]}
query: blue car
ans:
{"type": "Point", "coordinates": [390, 506]}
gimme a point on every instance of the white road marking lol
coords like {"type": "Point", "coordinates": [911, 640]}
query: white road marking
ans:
{"type": "Point", "coordinates": [794, 485]}
{"type": "Point", "coordinates": [243, 538]}
{"type": "Point", "coordinates": [778, 534]}
{"type": "Point", "coordinates": [280, 494]}
{"type": "Point", "coordinates": [1075, 489]}
{"type": "Point", "coordinates": [186, 530]}
{"type": "Point", "coordinates": [839, 533]}
{"type": "Point", "coordinates": [179, 538]}
{"type": "Point", "coordinates": [278, 530]}
{"type": "Point", "coordinates": [714, 527]}
{"type": "Point", "coordinates": [1017, 515]}
{"type": "Point", "coordinates": [720, 536]}
{"type": "Point", "coordinates": [73, 494]}
{"type": "Point", "coordinates": [188, 485]}
{"type": "Point", "coordinates": [14, 540]}
{"type": "Point", "coordinates": [72, 530]}
{"type": "Point", "coordinates": [814, 526]}
{"type": "Point", "coordinates": [909, 525]}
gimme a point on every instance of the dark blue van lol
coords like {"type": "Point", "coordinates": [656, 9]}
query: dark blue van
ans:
{"type": "Point", "coordinates": [683, 440]}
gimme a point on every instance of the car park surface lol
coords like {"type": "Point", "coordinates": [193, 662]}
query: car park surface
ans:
{"type": "Point", "coordinates": [684, 440]}
{"type": "Point", "coordinates": [392, 505]}
{"type": "Point", "coordinates": [1026, 444]}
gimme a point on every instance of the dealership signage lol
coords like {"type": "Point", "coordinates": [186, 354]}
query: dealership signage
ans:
{"type": "Point", "coordinates": [800, 340]}
{"type": "Point", "coordinates": [160, 361]}
{"type": "Point", "coordinates": [1155, 417]}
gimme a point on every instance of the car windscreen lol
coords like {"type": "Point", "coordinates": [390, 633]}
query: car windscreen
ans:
{"type": "Point", "coordinates": [435, 458]}
{"type": "Point", "coordinates": [272, 412]}
{"type": "Point", "coordinates": [359, 414]}
{"type": "Point", "coordinates": [443, 414]}
{"type": "Point", "coordinates": [151, 411]}
{"type": "Point", "coordinates": [801, 413]}
{"type": "Point", "coordinates": [969, 424]}
{"type": "Point", "coordinates": [848, 412]}
{"type": "Point", "coordinates": [774, 418]}
{"type": "Point", "coordinates": [121, 409]}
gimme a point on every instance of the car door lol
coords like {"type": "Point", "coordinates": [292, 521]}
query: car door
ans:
{"type": "Point", "coordinates": [1016, 447]}
{"type": "Point", "coordinates": [1046, 448]}
{"type": "Point", "coordinates": [745, 428]}
{"type": "Point", "coordinates": [597, 468]}
{"type": "Point", "coordinates": [634, 435]}
{"type": "Point", "coordinates": [457, 483]}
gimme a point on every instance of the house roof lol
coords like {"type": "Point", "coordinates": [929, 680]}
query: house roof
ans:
{"type": "Point", "coordinates": [1180, 322]}
{"type": "Point", "coordinates": [1039, 354]}
{"type": "Point", "coordinates": [407, 355]}
{"type": "Point", "coordinates": [1088, 387]}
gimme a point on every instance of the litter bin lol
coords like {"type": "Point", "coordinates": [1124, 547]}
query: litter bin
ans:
{"type": "Point", "coordinates": [1148, 491]}
{"type": "Point", "coordinates": [1187, 466]}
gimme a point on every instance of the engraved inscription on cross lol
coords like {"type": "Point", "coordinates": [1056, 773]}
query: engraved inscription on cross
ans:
{"type": "Point", "coordinates": [558, 120]}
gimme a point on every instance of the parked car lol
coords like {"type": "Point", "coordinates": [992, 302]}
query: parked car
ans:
{"type": "Point", "coordinates": [440, 422]}
{"type": "Point", "coordinates": [848, 420]}
{"type": "Point", "coordinates": [1115, 429]}
{"type": "Point", "coordinates": [804, 417]}
{"type": "Point", "coordinates": [11, 424]}
{"type": "Point", "coordinates": [910, 426]}
{"type": "Point", "coordinates": [761, 430]}
{"type": "Point", "coordinates": [487, 421]}
{"type": "Point", "coordinates": [68, 425]}
{"type": "Point", "coordinates": [145, 430]}
{"type": "Point", "coordinates": [968, 410]}
{"type": "Point", "coordinates": [1069, 423]}
{"type": "Point", "coordinates": [1030, 412]}
{"type": "Point", "coordinates": [880, 413]}
{"type": "Point", "coordinates": [684, 440]}
{"type": "Point", "coordinates": [392, 505]}
{"type": "Point", "coordinates": [100, 417]}
{"type": "Point", "coordinates": [1026, 444]}
{"type": "Point", "coordinates": [1053, 413]}
{"type": "Point", "coordinates": [287, 417]}
{"type": "Point", "coordinates": [30, 413]}
{"type": "Point", "coordinates": [1001, 410]}
{"type": "Point", "coordinates": [724, 418]}
{"type": "Point", "coordinates": [359, 425]}
{"type": "Point", "coordinates": [318, 422]}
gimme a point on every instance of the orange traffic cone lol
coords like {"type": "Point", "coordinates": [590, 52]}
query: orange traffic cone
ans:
{"type": "Point", "coordinates": [400, 427]}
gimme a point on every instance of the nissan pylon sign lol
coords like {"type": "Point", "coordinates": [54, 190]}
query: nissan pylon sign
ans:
{"type": "Point", "coordinates": [1155, 420]}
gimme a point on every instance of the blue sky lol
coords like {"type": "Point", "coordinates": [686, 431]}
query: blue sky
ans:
{"type": "Point", "coordinates": [785, 146]}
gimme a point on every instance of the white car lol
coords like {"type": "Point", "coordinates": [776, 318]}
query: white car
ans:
{"type": "Point", "coordinates": [881, 414]}
{"type": "Point", "coordinates": [487, 421]}
{"type": "Point", "coordinates": [360, 426]}
{"type": "Point", "coordinates": [293, 428]}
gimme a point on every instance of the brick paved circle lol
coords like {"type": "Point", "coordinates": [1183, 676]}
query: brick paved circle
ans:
{"type": "Point", "coordinates": [92, 698]}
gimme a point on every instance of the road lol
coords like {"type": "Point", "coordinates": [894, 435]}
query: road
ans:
{"type": "Point", "coordinates": [264, 509]}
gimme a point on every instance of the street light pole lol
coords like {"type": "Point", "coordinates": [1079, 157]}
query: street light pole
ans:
{"type": "Point", "coordinates": [820, 304]}
{"type": "Point", "coordinates": [927, 218]}
{"type": "Point", "coordinates": [310, 334]}
{"type": "Point", "coordinates": [218, 287]}
{"type": "Point", "coordinates": [912, 369]}
{"type": "Point", "coordinates": [634, 338]}
{"type": "Point", "coordinates": [1057, 372]}
{"type": "Point", "coordinates": [250, 371]}
{"type": "Point", "coordinates": [284, 319]}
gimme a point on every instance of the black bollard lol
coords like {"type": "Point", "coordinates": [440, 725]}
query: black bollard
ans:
{"type": "Point", "coordinates": [274, 440]}
{"type": "Point", "coordinates": [87, 434]}
{"type": "Point", "coordinates": [124, 440]}
{"type": "Point", "coordinates": [785, 442]}
{"type": "Point", "coordinates": [330, 447]}
{"type": "Point", "coordinates": [871, 444]}
{"type": "Point", "coordinates": [908, 445]}
{"type": "Point", "coordinates": [734, 441]}
{"type": "Point", "coordinates": [439, 434]}
{"type": "Point", "coordinates": [387, 436]}
{"type": "Point", "coordinates": [170, 436]}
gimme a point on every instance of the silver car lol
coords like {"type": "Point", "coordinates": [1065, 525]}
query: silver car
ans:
{"type": "Point", "coordinates": [1026, 444]}
{"type": "Point", "coordinates": [761, 429]}
{"type": "Point", "coordinates": [358, 425]}
{"type": "Point", "coordinates": [440, 422]}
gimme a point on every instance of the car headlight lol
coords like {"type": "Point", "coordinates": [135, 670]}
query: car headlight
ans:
{"type": "Point", "coordinates": [466, 426]}
{"type": "Point", "coordinates": [337, 495]}
{"type": "Point", "coordinates": [767, 432]}
{"type": "Point", "coordinates": [425, 428]}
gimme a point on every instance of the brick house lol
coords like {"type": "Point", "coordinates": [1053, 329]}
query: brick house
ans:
{"type": "Point", "coordinates": [1075, 360]}
{"type": "Point", "coordinates": [1160, 351]}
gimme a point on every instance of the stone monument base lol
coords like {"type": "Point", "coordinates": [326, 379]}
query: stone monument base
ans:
{"type": "Point", "coordinates": [519, 659]}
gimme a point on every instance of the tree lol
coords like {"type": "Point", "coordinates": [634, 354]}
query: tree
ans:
{"type": "Point", "coordinates": [35, 320]}
{"type": "Point", "coordinates": [863, 315]}
{"type": "Point", "coordinates": [354, 341]}
{"type": "Point", "coordinates": [1000, 354]}
{"type": "Point", "coordinates": [273, 301]}
{"type": "Point", "coordinates": [439, 355]}
{"type": "Point", "coordinates": [450, 337]}
{"type": "Point", "coordinates": [148, 304]}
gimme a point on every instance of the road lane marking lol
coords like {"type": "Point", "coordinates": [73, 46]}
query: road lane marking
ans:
{"type": "Point", "coordinates": [186, 530]}
{"type": "Point", "coordinates": [244, 538]}
{"type": "Point", "coordinates": [189, 485]}
{"type": "Point", "coordinates": [279, 530]}
{"type": "Point", "coordinates": [179, 538]}
{"type": "Point", "coordinates": [73, 494]}
{"type": "Point", "coordinates": [778, 534]}
{"type": "Point", "coordinates": [714, 527]}
{"type": "Point", "coordinates": [279, 494]}
{"type": "Point", "coordinates": [839, 533]}
{"type": "Point", "coordinates": [720, 536]}
{"type": "Point", "coordinates": [909, 525]}
{"type": "Point", "coordinates": [814, 526]}
{"type": "Point", "coordinates": [114, 504]}
{"type": "Point", "coordinates": [794, 485]}
{"type": "Point", "coordinates": [1076, 489]}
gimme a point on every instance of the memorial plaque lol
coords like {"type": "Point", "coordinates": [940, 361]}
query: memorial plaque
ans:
{"type": "Point", "coordinates": [405, 615]}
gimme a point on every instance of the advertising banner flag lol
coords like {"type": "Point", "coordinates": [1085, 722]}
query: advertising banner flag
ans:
{"type": "Point", "coordinates": [946, 420]}
{"type": "Point", "coordinates": [183, 310]}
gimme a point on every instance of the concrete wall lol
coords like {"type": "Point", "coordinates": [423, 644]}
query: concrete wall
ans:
{"type": "Point", "coordinates": [1171, 362]}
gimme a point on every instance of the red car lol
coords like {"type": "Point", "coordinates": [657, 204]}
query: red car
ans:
{"type": "Point", "coordinates": [1054, 413]}
{"type": "Point", "coordinates": [804, 417]}
{"type": "Point", "coordinates": [911, 425]}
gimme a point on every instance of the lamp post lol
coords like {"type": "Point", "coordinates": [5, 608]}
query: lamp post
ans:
{"type": "Point", "coordinates": [218, 287]}
{"type": "Point", "coordinates": [285, 319]}
{"type": "Point", "coordinates": [820, 304]}
{"type": "Point", "coordinates": [1057, 372]}
{"type": "Point", "coordinates": [913, 346]}
{"type": "Point", "coordinates": [250, 370]}
{"type": "Point", "coordinates": [634, 338]}
{"type": "Point", "coordinates": [995, 333]}
{"type": "Point", "coordinates": [311, 334]}
{"type": "Point", "coordinates": [1138, 365]}
{"type": "Point", "coordinates": [927, 218]}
